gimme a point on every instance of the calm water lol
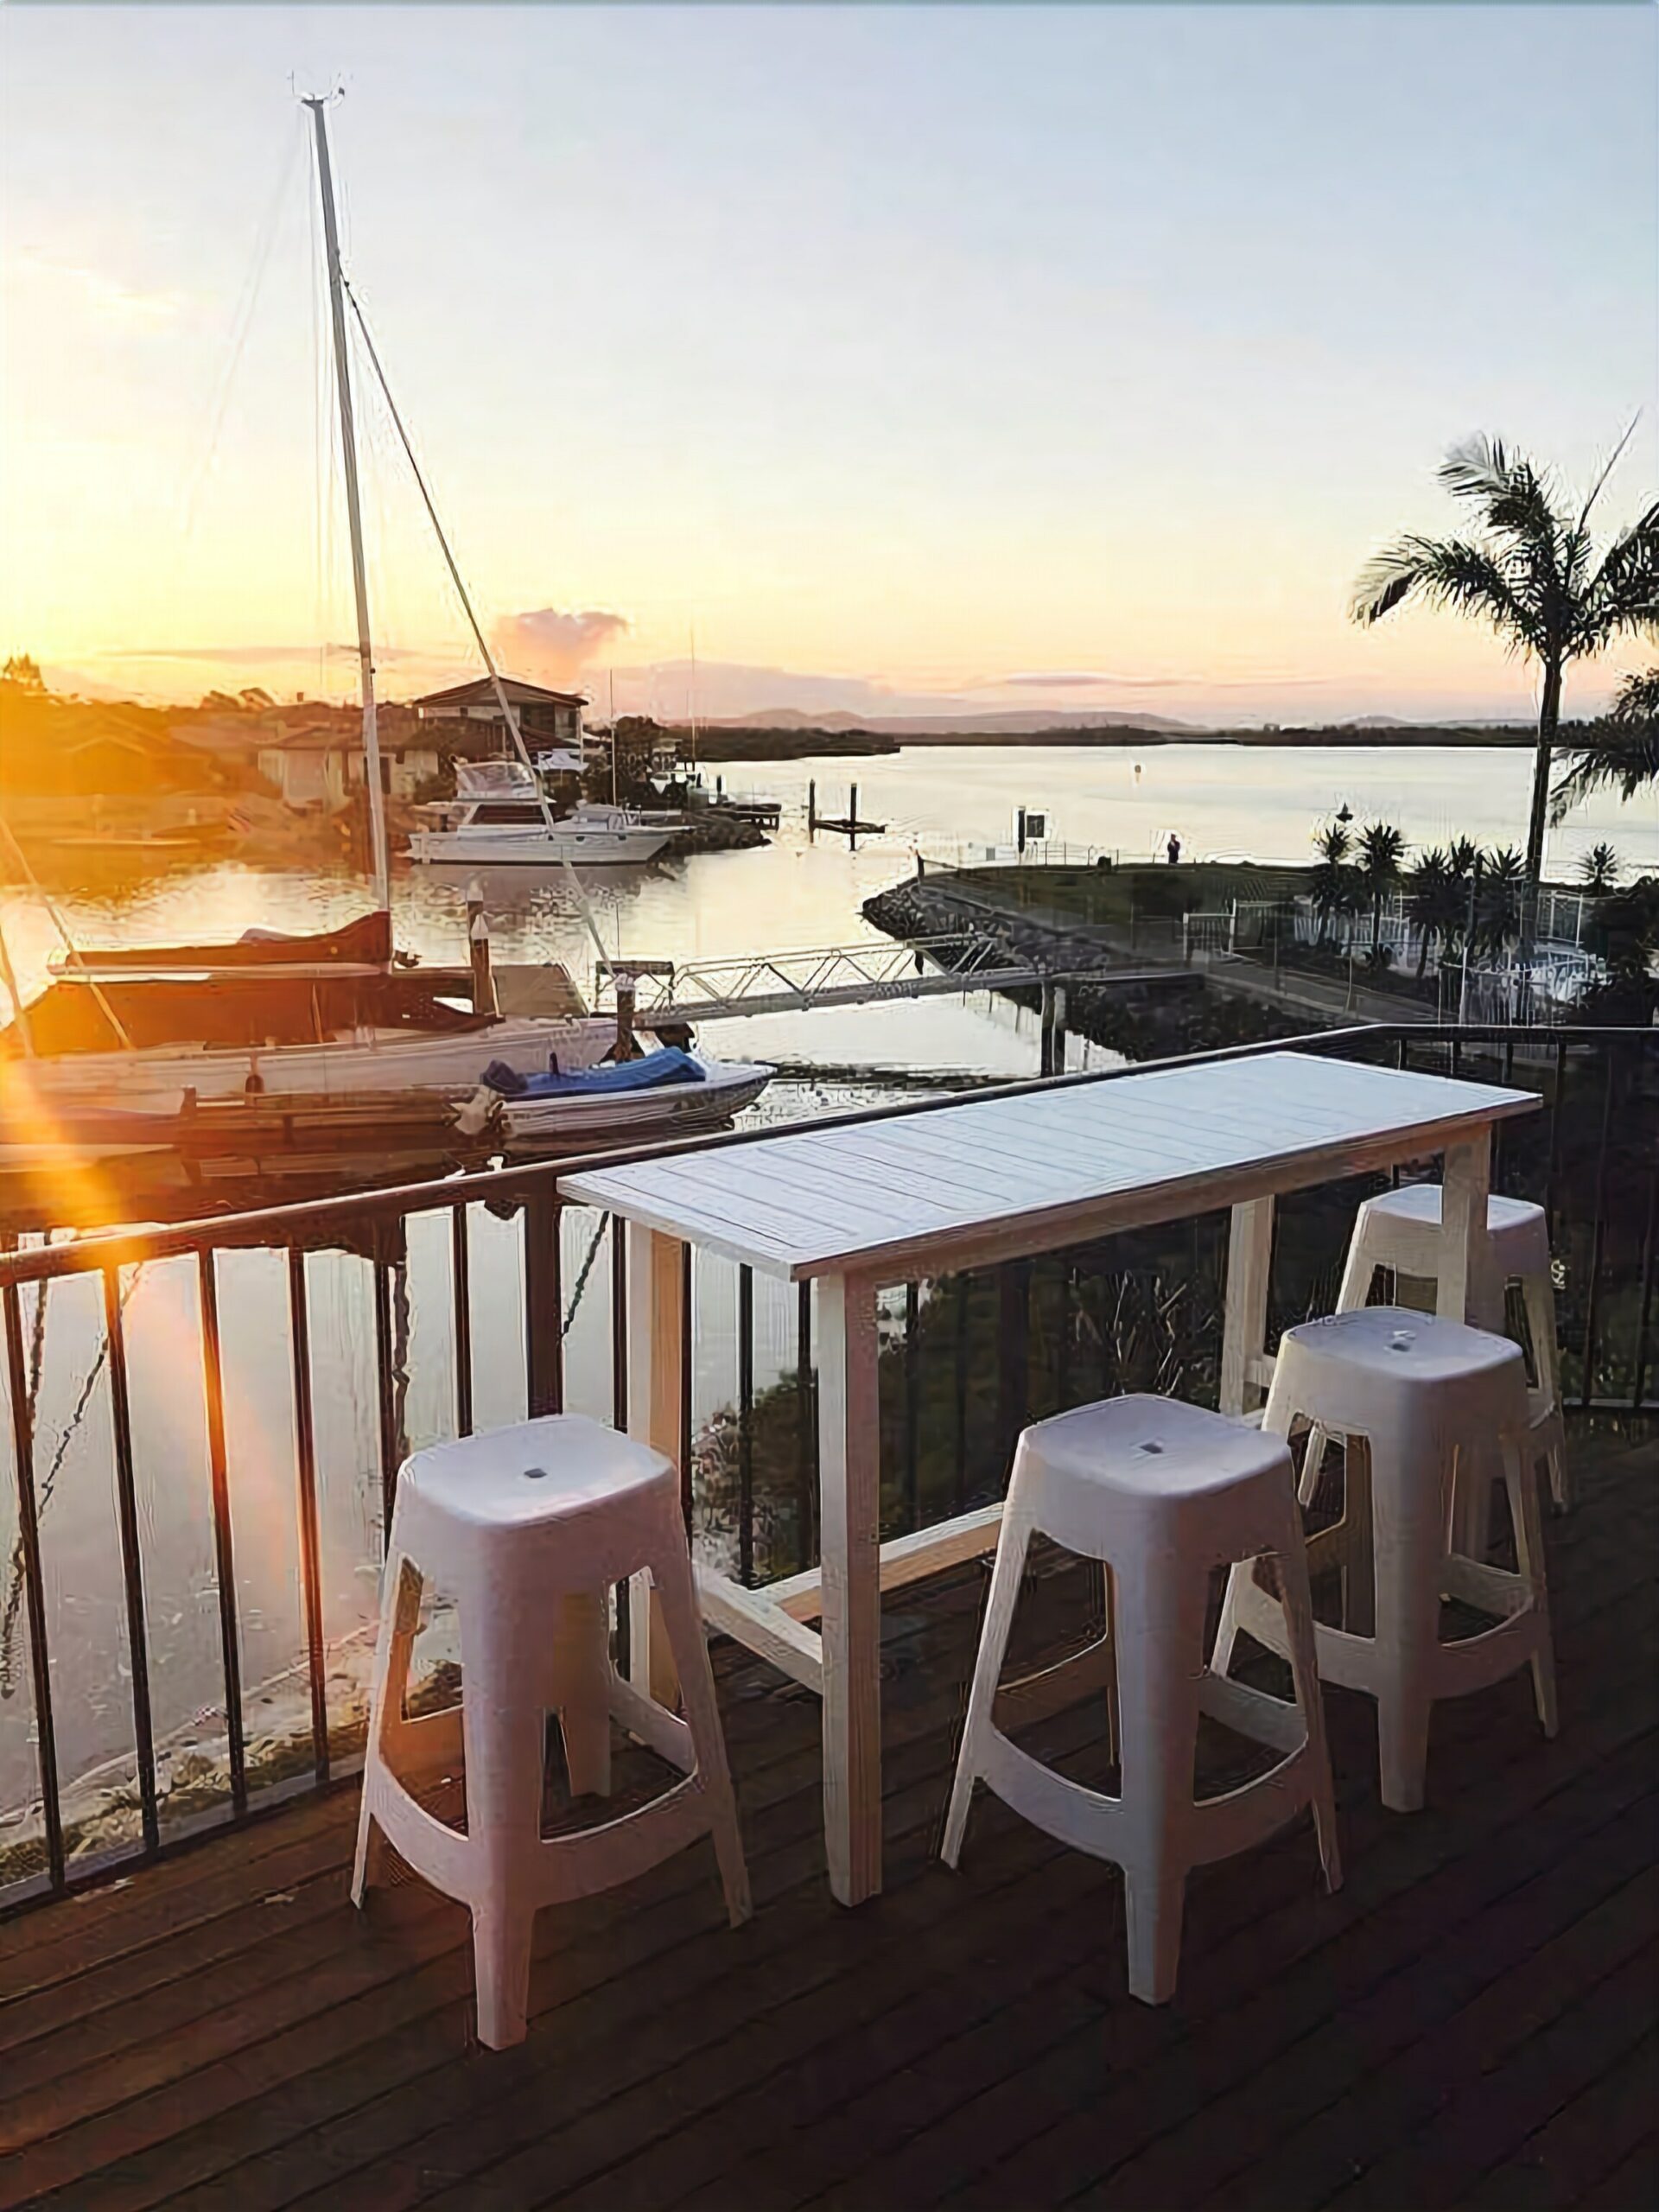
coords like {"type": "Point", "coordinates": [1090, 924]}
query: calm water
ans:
{"type": "Point", "coordinates": [1219, 800]}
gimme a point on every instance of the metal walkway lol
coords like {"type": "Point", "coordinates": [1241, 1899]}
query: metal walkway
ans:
{"type": "Point", "coordinates": [841, 975]}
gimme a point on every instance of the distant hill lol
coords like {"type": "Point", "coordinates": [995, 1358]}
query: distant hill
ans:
{"type": "Point", "coordinates": [1013, 721]}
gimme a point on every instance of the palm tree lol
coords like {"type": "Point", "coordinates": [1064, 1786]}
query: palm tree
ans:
{"type": "Point", "coordinates": [1621, 749]}
{"type": "Point", "coordinates": [1599, 868]}
{"type": "Point", "coordinates": [1381, 849]}
{"type": "Point", "coordinates": [1533, 575]}
{"type": "Point", "coordinates": [1500, 901]}
{"type": "Point", "coordinates": [1434, 902]}
{"type": "Point", "coordinates": [1332, 886]}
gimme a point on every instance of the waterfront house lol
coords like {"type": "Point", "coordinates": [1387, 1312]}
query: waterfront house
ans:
{"type": "Point", "coordinates": [321, 766]}
{"type": "Point", "coordinates": [545, 718]}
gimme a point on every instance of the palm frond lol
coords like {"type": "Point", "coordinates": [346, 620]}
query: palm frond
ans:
{"type": "Point", "coordinates": [1623, 595]}
{"type": "Point", "coordinates": [1625, 760]}
{"type": "Point", "coordinates": [1613, 459]}
{"type": "Point", "coordinates": [1445, 572]}
{"type": "Point", "coordinates": [1478, 469]}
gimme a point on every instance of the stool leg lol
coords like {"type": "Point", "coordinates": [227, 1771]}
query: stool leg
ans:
{"type": "Point", "coordinates": [1221, 1657]}
{"type": "Point", "coordinates": [1011, 1545]}
{"type": "Point", "coordinates": [506, 1746]}
{"type": "Point", "coordinates": [1521, 1482]}
{"type": "Point", "coordinates": [1305, 1675]}
{"type": "Point", "coordinates": [683, 1624]}
{"type": "Point", "coordinates": [1359, 1269]}
{"type": "Point", "coordinates": [583, 1670]}
{"type": "Point", "coordinates": [1114, 1720]}
{"type": "Point", "coordinates": [1540, 1302]}
{"type": "Point", "coordinates": [1408, 1524]}
{"type": "Point", "coordinates": [400, 1621]}
{"type": "Point", "coordinates": [1161, 1611]}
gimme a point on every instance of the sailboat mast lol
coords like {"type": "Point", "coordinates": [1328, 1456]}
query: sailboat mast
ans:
{"type": "Point", "coordinates": [353, 510]}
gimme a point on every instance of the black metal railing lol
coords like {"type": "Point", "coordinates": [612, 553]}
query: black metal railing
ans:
{"type": "Point", "coordinates": [516, 1304]}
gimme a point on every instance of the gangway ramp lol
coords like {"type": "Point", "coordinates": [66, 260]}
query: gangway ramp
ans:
{"type": "Point", "coordinates": [830, 975]}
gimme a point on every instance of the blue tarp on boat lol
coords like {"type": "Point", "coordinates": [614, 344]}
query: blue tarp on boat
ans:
{"type": "Point", "coordinates": [667, 1065]}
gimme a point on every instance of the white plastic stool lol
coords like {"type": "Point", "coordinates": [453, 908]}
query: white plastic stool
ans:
{"type": "Point", "coordinates": [1419, 1392]}
{"type": "Point", "coordinates": [529, 1526]}
{"type": "Point", "coordinates": [1163, 1492]}
{"type": "Point", "coordinates": [1401, 1231]}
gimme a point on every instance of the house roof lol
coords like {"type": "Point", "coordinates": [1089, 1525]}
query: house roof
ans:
{"type": "Point", "coordinates": [481, 693]}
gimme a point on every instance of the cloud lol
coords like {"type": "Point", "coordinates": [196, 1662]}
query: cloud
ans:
{"type": "Point", "coordinates": [1061, 680]}
{"type": "Point", "coordinates": [259, 656]}
{"type": "Point", "coordinates": [551, 646]}
{"type": "Point", "coordinates": [105, 298]}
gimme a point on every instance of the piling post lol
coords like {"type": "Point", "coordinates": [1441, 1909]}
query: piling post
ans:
{"type": "Point", "coordinates": [852, 817]}
{"type": "Point", "coordinates": [812, 806]}
{"type": "Point", "coordinates": [627, 1047]}
{"type": "Point", "coordinates": [1046, 1029]}
{"type": "Point", "coordinates": [478, 949]}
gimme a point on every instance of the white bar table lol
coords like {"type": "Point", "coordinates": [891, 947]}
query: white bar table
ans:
{"type": "Point", "coordinates": [924, 1194]}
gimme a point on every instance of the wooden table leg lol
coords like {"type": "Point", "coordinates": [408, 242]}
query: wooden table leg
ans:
{"type": "Point", "coordinates": [850, 1481]}
{"type": "Point", "coordinates": [656, 1342]}
{"type": "Point", "coordinates": [1464, 1292]}
{"type": "Point", "coordinates": [1245, 1333]}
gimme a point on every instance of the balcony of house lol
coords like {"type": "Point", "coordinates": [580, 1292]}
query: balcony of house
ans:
{"type": "Point", "coordinates": [192, 2011]}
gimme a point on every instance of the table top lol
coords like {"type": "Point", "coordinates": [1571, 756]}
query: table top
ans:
{"type": "Point", "coordinates": [991, 1178]}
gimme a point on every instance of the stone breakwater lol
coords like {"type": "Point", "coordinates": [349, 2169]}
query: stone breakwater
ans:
{"type": "Point", "coordinates": [1150, 1008]}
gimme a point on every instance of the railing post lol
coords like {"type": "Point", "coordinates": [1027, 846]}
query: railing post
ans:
{"type": "Point", "coordinates": [1014, 1351]}
{"type": "Point", "coordinates": [746, 1424]}
{"type": "Point", "coordinates": [28, 1543]}
{"type": "Point", "coordinates": [305, 1454]}
{"type": "Point", "coordinates": [132, 1571]}
{"type": "Point", "coordinates": [544, 1306]}
{"type": "Point", "coordinates": [224, 1555]}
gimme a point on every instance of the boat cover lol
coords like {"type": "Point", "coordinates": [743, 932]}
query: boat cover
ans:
{"type": "Point", "coordinates": [667, 1065]}
{"type": "Point", "coordinates": [364, 942]}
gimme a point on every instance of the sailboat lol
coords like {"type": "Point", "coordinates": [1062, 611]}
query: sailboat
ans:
{"type": "Point", "coordinates": [320, 1053]}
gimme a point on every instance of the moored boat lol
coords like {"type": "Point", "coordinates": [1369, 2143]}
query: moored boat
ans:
{"type": "Point", "coordinates": [668, 1092]}
{"type": "Point", "coordinates": [499, 818]}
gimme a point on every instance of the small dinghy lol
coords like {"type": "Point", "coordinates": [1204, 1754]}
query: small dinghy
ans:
{"type": "Point", "coordinates": [668, 1092]}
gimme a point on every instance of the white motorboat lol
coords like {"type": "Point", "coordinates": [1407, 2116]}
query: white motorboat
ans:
{"type": "Point", "coordinates": [499, 818]}
{"type": "Point", "coordinates": [669, 1093]}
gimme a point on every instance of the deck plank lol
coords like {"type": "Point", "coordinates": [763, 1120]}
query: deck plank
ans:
{"type": "Point", "coordinates": [1465, 2023]}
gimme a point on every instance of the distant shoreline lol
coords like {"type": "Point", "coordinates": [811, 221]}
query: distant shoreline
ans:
{"type": "Point", "coordinates": [762, 742]}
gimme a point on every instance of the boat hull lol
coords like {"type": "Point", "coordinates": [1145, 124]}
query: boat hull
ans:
{"type": "Point", "coordinates": [565, 1125]}
{"type": "Point", "coordinates": [155, 1080]}
{"type": "Point", "coordinates": [538, 847]}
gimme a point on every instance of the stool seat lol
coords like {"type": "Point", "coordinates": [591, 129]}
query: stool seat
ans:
{"type": "Point", "coordinates": [528, 1527]}
{"type": "Point", "coordinates": [1148, 1453]}
{"type": "Point", "coordinates": [1389, 1348]}
{"type": "Point", "coordinates": [1161, 1493]}
{"type": "Point", "coordinates": [1428, 1398]}
{"type": "Point", "coordinates": [536, 1472]}
{"type": "Point", "coordinates": [1517, 1231]}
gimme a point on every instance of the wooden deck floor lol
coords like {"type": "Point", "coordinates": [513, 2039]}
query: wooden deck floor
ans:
{"type": "Point", "coordinates": [1469, 2022]}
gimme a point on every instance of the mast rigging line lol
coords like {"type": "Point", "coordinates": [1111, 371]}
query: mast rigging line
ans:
{"type": "Point", "coordinates": [62, 929]}
{"type": "Point", "coordinates": [502, 700]}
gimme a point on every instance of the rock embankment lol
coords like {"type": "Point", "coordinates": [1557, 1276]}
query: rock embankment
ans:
{"type": "Point", "coordinates": [713, 830]}
{"type": "Point", "coordinates": [1111, 996]}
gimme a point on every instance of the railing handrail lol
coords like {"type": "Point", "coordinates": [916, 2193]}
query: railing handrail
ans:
{"type": "Point", "coordinates": [124, 1248]}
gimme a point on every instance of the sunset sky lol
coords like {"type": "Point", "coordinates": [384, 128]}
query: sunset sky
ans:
{"type": "Point", "coordinates": [906, 354]}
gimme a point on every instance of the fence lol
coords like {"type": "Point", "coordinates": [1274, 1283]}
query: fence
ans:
{"type": "Point", "coordinates": [206, 1421]}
